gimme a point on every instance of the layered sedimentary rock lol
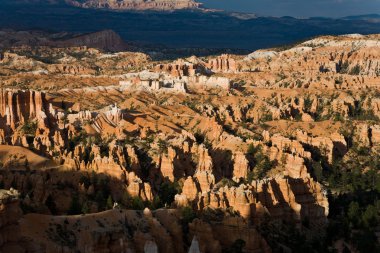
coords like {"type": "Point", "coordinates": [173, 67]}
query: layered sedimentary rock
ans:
{"type": "Point", "coordinates": [106, 40]}
{"type": "Point", "coordinates": [223, 63]}
{"type": "Point", "coordinates": [241, 166]}
{"type": "Point", "coordinates": [367, 135]}
{"type": "Point", "coordinates": [330, 62]}
{"type": "Point", "coordinates": [17, 107]}
{"type": "Point", "coordinates": [167, 164]}
{"type": "Point", "coordinates": [284, 198]}
{"type": "Point", "coordinates": [137, 5]}
{"type": "Point", "coordinates": [180, 68]}
{"type": "Point", "coordinates": [242, 143]}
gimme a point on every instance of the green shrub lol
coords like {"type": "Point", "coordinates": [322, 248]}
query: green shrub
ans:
{"type": "Point", "coordinates": [259, 161]}
{"type": "Point", "coordinates": [167, 192]}
{"type": "Point", "coordinates": [355, 70]}
{"type": "Point", "coordinates": [29, 128]}
{"type": "Point", "coordinates": [75, 207]}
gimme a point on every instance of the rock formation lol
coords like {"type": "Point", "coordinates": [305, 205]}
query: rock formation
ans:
{"type": "Point", "coordinates": [223, 63]}
{"type": "Point", "coordinates": [198, 154]}
{"type": "Point", "coordinates": [106, 40]}
{"type": "Point", "coordinates": [17, 107]}
{"type": "Point", "coordinates": [165, 5]}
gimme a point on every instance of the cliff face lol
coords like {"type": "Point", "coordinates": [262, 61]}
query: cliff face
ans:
{"type": "Point", "coordinates": [106, 40]}
{"type": "Point", "coordinates": [18, 107]}
{"type": "Point", "coordinates": [165, 5]}
{"type": "Point", "coordinates": [223, 63]}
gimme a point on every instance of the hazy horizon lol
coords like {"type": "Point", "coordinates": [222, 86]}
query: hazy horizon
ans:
{"type": "Point", "coordinates": [298, 8]}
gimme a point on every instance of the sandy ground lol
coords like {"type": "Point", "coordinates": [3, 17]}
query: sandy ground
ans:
{"type": "Point", "coordinates": [18, 155]}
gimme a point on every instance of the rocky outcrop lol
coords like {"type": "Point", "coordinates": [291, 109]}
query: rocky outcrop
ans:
{"type": "Point", "coordinates": [241, 166]}
{"type": "Point", "coordinates": [287, 145]}
{"type": "Point", "coordinates": [286, 198]}
{"type": "Point", "coordinates": [18, 107]}
{"type": "Point", "coordinates": [327, 146]}
{"type": "Point", "coordinates": [180, 68]}
{"type": "Point", "coordinates": [167, 164]}
{"type": "Point", "coordinates": [304, 197]}
{"type": "Point", "coordinates": [367, 136]}
{"type": "Point", "coordinates": [295, 166]}
{"type": "Point", "coordinates": [106, 40]}
{"type": "Point", "coordinates": [223, 63]}
{"type": "Point", "coordinates": [70, 69]}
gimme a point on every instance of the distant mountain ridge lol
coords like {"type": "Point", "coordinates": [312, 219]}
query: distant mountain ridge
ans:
{"type": "Point", "coordinates": [106, 40]}
{"type": "Point", "coordinates": [136, 4]}
{"type": "Point", "coordinates": [368, 16]}
{"type": "Point", "coordinates": [374, 18]}
{"type": "Point", "coordinates": [182, 28]}
{"type": "Point", "coordinates": [159, 5]}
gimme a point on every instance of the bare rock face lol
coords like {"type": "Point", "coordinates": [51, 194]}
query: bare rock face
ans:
{"type": "Point", "coordinates": [375, 135]}
{"type": "Point", "coordinates": [325, 144]}
{"type": "Point", "coordinates": [26, 118]}
{"type": "Point", "coordinates": [70, 69]}
{"type": "Point", "coordinates": [205, 179]}
{"type": "Point", "coordinates": [180, 68]}
{"type": "Point", "coordinates": [106, 40]}
{"type": "Point", "coordinates": [288, 198]}
{"type": "Point", "coordinates": [189, 192]}
{"type": "Point", "coordinates": [287, 145]}
{"type": "Point", "coordinates": [295, 166]}
{"type": "Point", "coordinates": [241, 166]}
{"type": "Point", "coordinates": [362, 134]}
{"type": "Point", "coordinates": [299, 197]}
{"type": "Point", "coordinates": [367, 135]}
{"type": "Point", "coordinates": [167, 164]}
{"type": "Point", "coordinates": [205, 161]}
{"type": "Point", "coordinates": [136, 5]}
{"type": "Point", "coordinates": [17, 107]}
{"type": "Point", "coordinates": [223, 63]}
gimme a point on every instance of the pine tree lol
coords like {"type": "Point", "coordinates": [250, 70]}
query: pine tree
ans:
{"type": "Point", "coordinates": [109, 204]}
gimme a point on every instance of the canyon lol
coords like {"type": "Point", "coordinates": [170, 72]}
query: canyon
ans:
{"type": "Point", "coordinates": [108, 150]}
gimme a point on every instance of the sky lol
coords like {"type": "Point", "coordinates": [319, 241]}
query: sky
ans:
{"type": "Point", "coordinates": [298, 8]}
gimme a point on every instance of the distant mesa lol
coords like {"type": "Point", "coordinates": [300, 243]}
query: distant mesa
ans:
{"type": "Point", "coordinates": [159, 5]}
{"type": "Point", "coordinates": [164, 5]}
{"type": "Point", "coordinates": [107, 40]}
